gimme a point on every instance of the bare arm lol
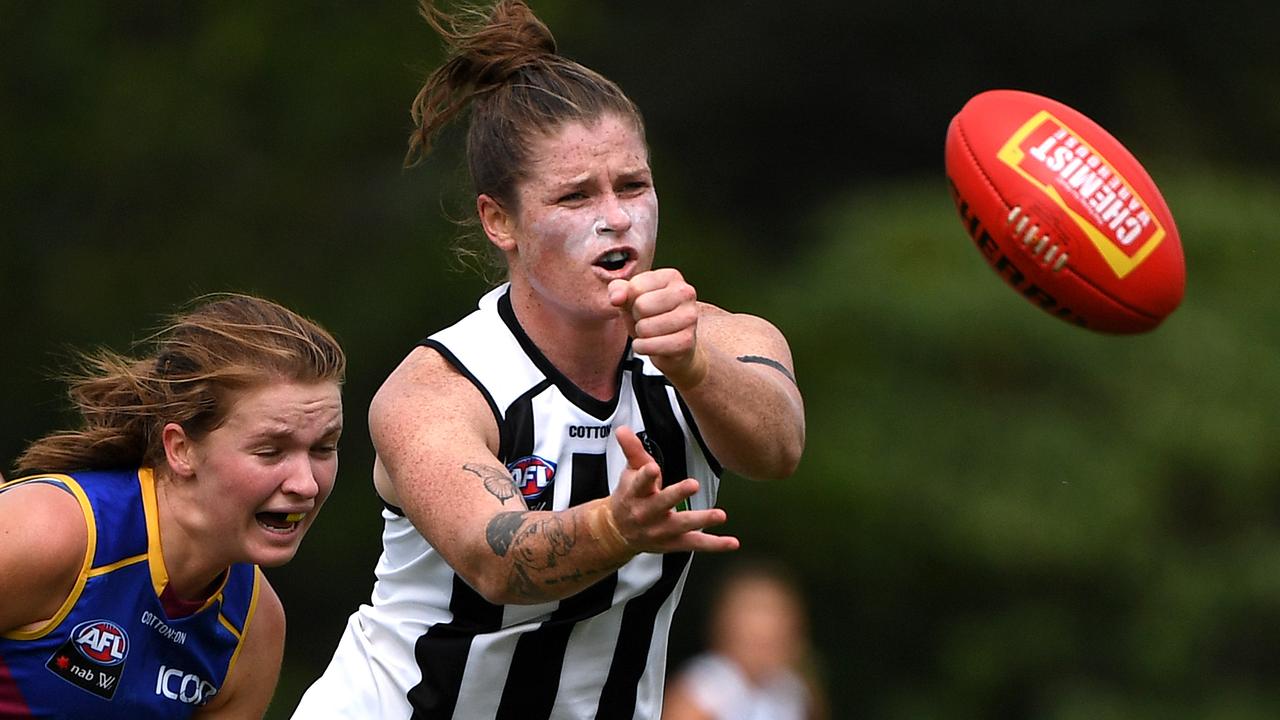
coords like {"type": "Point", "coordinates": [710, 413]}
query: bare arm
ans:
{"type": "Point", "coordinates": [252, 680]}
{"type": "Point", "coordinates": [735, 371]}
{"type": "Point", "coordinates": [43, 542]}
{"type": "Point", "coordinates": [437, 442]}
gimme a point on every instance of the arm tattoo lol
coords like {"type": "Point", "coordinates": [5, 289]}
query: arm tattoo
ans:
{"type": "Point", "coordinates": [768, 362]}
{"type": "Point", "coordinates": [521, 581]}
{"type": "Point", "coordinates": [537, 545]}
{"type": "Point", "coordinates": [501, 531]}
{"type": "Point", "coordinates": [498, 482]}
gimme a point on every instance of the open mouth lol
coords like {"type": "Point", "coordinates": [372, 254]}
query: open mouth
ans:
{"type": "Point", "coordinates": [614, 260]}
{"type": "Point", "coordinates": [280, 522]}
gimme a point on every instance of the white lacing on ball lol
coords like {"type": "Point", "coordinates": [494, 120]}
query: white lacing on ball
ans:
{"type": "Point", "coordinates": [1039, 245]}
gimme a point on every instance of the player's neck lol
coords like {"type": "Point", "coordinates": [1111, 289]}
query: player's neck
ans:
{"type": "Point", "coordinates": [585, 350]}
{"type": "Point", "coordinates": [189, 567]}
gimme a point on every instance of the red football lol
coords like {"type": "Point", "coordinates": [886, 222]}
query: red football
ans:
{"type": "Point", "coordinates": [1064, 213]}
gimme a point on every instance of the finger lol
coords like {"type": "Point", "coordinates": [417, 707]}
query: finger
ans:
{"type": "Point", "coordinates": [632, 448]}
{"type": "Point", "coordinates": [620, 293]}
{"type": "Point", "coordinates": [651, 280]}
{"type": "Point", "coordinates": [695, 520]}
{"type": "Point", "coordinates": [703, 542]}
{"type": "Point", "coordinates": [680, 321]}
{"type": "Point", "coordinates": [647, 475]}
{"type": "Point", "coordinates": [665, 299]}
{"type": "Point", "coordinates": [676, 493]}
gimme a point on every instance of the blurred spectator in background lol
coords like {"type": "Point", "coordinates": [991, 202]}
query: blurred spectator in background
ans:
{"type": "Point", "coordinates": [758, 665]}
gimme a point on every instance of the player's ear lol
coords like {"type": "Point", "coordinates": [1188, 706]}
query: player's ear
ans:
{"type": "Point", "coordinates": [179, 450]}
{"type": "Point", "coordinates": [498, 223]}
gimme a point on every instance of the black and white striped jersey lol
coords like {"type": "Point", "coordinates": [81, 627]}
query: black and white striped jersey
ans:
{"type": "Point", "coordinates": [429, 647]}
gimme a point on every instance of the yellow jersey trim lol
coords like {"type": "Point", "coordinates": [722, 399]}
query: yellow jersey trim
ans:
{"type": "Point", "coordinates": [117, 565]}
{"type": "Point", "coordinates": [155, 554]}
{"type": "Point", "coordinates": [86, 510]}
{"type": "Point", "coordinates": [155, 549]}
{"type": "Point", "coordinates": [248, 618]}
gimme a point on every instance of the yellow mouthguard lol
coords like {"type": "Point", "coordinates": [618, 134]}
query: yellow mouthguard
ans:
{"type": "Point", "coordinates": [294, 517]}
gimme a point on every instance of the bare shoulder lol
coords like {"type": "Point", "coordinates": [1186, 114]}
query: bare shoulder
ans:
{"type": "Point", "coordinates": [426, 415]}
{"type": "Point", "coordinates": [741, 332]}
{"type": "Point", "coordinates": [44, 539]}
{"type": "Point", "coordinates": [426, 386]}
{"type": "Point", "coordinates": [264, 634]}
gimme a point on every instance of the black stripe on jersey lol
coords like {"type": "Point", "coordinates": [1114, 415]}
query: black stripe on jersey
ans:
{"type": "Point", "coordinates": [660, 424]}
{"type": "Point", "coordinates": [599, 409]}
{"type": "Point", "coordinates": [534, 675]}
{"type": "Point", "coordinates": [517, 428]}
{"type": "Point", "coordinates": [716, 467]}
{"type": "Point", "coordinates": [631, 654]}
{"type": "Point", "coordinates": [442, 652]}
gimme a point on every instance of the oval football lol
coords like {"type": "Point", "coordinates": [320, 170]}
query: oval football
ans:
{"type": "Point", "coordinates": [1064, 213]}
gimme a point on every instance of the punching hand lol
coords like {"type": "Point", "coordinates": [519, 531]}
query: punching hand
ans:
{"type": "Point", "coordinates": [661, 312]}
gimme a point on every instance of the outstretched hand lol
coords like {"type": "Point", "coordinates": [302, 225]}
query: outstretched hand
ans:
{"type": "Point", "coordinates": [661, 312]}
{"type": "Point", "coordinates": [644, 511]}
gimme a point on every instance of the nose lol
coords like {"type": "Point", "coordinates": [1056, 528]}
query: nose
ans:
{"type": "Point", "coordinates": [614, 217]}
{"type": "Point", "coordinates": [301, 481]}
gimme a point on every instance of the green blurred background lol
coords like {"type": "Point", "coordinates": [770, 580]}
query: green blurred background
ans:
{"type": "Point", "coordinates": [998, 515]}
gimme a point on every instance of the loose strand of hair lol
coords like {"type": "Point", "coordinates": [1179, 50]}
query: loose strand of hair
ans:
{"type": "Point", "coordinates": [483, 49]}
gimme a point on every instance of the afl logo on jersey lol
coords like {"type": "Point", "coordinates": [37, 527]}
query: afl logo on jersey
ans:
{"type": "Point", "coordinates": [531, 475]}
{"type": "Point", "coordinates": [101, 641]}
{"type": "Point", "coordinates": [92, 657]}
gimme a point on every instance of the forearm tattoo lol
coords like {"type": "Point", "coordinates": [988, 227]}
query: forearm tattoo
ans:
{"type": "Point", "coordinates": [536, 545]}
{"type": "Point", "coordinates": [768, 362]}
{"type": "Point", "coordinates": [502, 529]}
{"type": "Point", "coordinates": [497, 481]}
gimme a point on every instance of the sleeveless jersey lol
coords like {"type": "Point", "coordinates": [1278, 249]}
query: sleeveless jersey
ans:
{"type": "Point", "coordinates": [429, 647]}
{"type": "Point", "coordinates": [112, 651]}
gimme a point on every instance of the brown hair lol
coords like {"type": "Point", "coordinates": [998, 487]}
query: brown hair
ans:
{"type": "Point", "coordinates": [199, 361]}
{"type": "Point", "coordinates": [503, 63]}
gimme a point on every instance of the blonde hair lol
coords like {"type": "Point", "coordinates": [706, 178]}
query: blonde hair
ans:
{"type": "Point", "coordinates": [197, 363]}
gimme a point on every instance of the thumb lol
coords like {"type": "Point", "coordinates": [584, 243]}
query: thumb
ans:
{"type": "Point", "coordinates": [620, 293]}
{"type": "Point", "coordinates": [638, 459]}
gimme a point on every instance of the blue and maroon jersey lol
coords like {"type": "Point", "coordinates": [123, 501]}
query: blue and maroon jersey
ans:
{"type": "Point", "coordinates": [121, 646]}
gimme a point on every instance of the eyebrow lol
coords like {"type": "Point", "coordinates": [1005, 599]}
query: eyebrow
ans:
{"type": "Point", "coordinates": [278, 432]}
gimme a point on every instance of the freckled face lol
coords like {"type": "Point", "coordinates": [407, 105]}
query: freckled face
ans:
{"type": "Point", "coordinates": [588, 214]}
{"type": "Point", "coordinates": [264, 473]}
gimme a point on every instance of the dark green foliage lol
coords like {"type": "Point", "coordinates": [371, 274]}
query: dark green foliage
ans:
{"type": "Point", "coordinates": [998, 515]}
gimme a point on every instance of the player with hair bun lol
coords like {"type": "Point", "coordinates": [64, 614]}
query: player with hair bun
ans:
{"type": "Point", "coordinates": [549, 463]}
{"type": "Point", "coordinates": [130, 545]}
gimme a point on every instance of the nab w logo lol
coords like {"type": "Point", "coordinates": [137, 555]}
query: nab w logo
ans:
{"type": "Point", "coordinates": [531, 474]}
{"type": "Point", "coordinates": [101, 641]}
